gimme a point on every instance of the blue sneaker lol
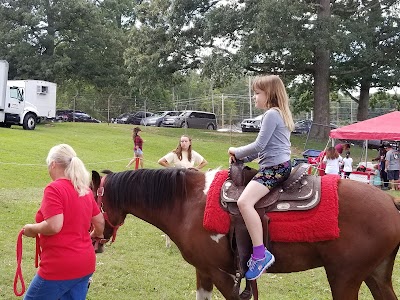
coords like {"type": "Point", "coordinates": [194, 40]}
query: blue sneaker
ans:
{"type": "Point", "coordinates": [257, 267]}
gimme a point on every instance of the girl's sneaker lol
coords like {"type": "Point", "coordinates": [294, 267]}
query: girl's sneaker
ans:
{"type": "Point", "coordinates": [258, 266]}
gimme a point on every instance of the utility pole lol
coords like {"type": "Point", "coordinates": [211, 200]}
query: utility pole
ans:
{"type": "Point", "coordinates": [250, 102]}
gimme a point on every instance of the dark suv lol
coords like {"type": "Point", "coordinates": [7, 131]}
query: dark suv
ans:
{"type": "Point", "coordinates": [192, 119]}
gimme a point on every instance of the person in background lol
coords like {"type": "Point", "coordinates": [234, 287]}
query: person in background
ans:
{"type": "Point", "coordinates": [137, 147]}
{"type": "Point", "coordinates": [347, 165]}
{"type": "Point", "coordinates": [377, 177]}
{"type": "Point", "coordinates": [320, 159]}
{"type": "Point", "coordinates": [382, 166]}
{"type": "Point", "coordinates": [183, 156]}
{"type": "Point", "coordinates": [343, 147]}
{"type": "Point", "coordinates": [68, 209]}
{"type": "Point", "coordinates": [332, 160]}
{"type": "Point", "coordinates": [272, 148]}
{"type": "Point", "coordinates": [392, 166]}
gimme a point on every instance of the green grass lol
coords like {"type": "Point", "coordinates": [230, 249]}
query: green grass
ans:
{"type": "Point", "coordinates": [137, 266]}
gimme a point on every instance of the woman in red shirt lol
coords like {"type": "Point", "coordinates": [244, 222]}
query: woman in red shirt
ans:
{"type": "Point", "coordinates": [63, 221]}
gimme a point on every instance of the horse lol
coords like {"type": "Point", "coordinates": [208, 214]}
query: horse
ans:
{"type": "Point", "coordinates": [174, 200]}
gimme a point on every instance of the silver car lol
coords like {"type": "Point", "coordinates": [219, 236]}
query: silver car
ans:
{"type": "Point", "coordinates": [192, 119]}
{"type": "Point", "coordinates": [251, 125]}
{"type": "Point", "coordinates": [158, 117]}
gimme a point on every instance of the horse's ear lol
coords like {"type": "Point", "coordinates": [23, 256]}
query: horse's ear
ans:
{"type": "Point", "coordinates": [96, 178]}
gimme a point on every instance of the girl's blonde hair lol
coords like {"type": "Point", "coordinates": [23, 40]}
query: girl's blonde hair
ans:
{"type": "Point", "coordinates": [277, 97]}
{"type": "Point", "coordinates": [74, 169]}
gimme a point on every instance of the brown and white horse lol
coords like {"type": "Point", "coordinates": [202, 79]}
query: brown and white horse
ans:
{"type": "Point", "coordinates": [174, 200]}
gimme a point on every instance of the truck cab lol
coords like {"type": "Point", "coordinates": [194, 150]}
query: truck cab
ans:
{"type": "Point", "coordinates": [14, 110]}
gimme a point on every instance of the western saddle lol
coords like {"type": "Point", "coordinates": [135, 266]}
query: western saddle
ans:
{"type": "Point", "coordinates": [299, 192]}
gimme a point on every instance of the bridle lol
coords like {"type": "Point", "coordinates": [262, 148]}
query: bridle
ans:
{"type": "Point", "coordinates": [100, 194]}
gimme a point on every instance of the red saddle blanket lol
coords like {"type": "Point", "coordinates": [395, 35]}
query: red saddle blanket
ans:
{"type": "Point", "coordinates": [314, 225]}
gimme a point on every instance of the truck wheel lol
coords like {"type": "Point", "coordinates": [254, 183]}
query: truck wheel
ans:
{"type": "Point", "coordinates": [184, 125]}
{"type": "Point", "coordinates": [29, 122]}
{"type": "Point", "coordinates": [210, 127]}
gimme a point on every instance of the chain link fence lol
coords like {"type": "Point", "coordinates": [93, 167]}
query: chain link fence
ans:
{"type": "Point", "coordinates": [230, 109]}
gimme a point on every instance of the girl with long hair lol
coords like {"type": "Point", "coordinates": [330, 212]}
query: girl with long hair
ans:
{"type": "Point", "coordinates": [137, 147]}
{"type": "Point", "coordinates": [183, 156]}
{"type": "Point", "coordinates": [272, 148]}
{"type": "Point", "coordinates": [333, 161]}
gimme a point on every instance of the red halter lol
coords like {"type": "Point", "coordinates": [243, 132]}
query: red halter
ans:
{"type": "Point", "coordinates": [100, 193]}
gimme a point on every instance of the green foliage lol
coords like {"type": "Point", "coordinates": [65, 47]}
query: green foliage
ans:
{"type": "Point", "coordinates": [146, 50]}
{"type": "Point", "coordinates": [383, 99]}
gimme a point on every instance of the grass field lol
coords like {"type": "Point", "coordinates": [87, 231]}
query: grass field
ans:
{"type": "Point", "coordinates": [137, 265]}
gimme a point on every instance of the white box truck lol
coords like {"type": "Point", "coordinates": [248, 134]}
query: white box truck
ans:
{"type": "Point", "coordinates": [14, 110]}
{"type": "Point", "coordinates": [41, 94]}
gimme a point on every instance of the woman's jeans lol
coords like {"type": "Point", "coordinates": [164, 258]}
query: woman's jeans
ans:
{"type": "Point", "coordinates": [42, 289]}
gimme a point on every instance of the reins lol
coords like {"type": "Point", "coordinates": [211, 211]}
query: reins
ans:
{"type": "Point", "coordinates": [100, 194]}
{"type": "Point", "coordinates": [18, 272]}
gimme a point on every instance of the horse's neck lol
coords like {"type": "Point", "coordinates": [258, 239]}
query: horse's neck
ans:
{"type": "Point", "coordinates": [178, 220]}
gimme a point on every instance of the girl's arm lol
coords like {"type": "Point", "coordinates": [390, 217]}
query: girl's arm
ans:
{"type": "Point", "coordinates": [202, 164]}
{"type": "Point", "coordinates": [162, 161]}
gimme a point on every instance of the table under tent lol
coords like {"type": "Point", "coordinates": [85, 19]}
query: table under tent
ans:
{"type": "Point", "coordinates": [384, 128]}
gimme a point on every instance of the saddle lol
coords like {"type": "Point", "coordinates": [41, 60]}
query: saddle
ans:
{"type": "Point", "coordinates": [299, 192]}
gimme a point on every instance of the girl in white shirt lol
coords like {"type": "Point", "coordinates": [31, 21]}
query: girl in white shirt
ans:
{"type": "Point", "coordinates": [183, 156]}
{"type": "Point", "coordinates": [347, 165]}
{"type": "Point", "coordinates": [333, 161]}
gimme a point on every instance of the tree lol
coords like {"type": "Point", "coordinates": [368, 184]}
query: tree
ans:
{"type": "Point", "coordinates": [370, 54]}
{"type": "Point", "coordinates": [58, 40]}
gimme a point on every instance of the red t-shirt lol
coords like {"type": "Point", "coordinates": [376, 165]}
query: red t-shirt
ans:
{"type": "Point", "coordinates": [138, 142]}
{"type": "Point", "coordinates": [68, 254]}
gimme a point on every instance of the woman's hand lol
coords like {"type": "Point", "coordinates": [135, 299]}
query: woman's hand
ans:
{"type": "Point", "coordinates": [29, 230]}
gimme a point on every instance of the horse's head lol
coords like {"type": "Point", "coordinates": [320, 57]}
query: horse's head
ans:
{"type": "Point", "coordinates": [113, 219]}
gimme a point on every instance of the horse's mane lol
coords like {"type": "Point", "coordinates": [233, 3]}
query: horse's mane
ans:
{"type": "Point", "coordinates": [150, 188]}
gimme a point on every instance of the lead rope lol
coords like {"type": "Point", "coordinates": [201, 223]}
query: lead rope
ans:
{"type": "Point", "coordinates": [18, 272]}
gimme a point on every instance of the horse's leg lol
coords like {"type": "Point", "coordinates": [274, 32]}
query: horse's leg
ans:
{"type": "Point", "coordinates": [343, 286]}
{"type": "Point", "coordinates": [204, 286]}
{"type": "Point", "coordinates": [380, 281]}
{"type": "Point", "coordinates": [223, 281]}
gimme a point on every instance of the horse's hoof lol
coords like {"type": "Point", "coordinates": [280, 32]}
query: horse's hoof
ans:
{"type": "Point", "coordinates": [245, 295]}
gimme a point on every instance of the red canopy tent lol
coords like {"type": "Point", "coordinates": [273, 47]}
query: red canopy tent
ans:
{"type": "Point", "coordinates": [385, 127]}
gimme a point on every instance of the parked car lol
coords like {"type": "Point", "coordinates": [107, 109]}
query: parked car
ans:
{"type": "Point", "coordinates": [136, 118]}
{"type": "Point", "coordinates": [192, 119]}
{"type": "Point", "coordinates": [158, 117]}
{"type": "Point", "coordinates": [66, 115]}
{"type": "Point", "coordinates": [121, 119]}
{"type": "Point", "coordinates": [304, 126]}
{"type": "Point", "coordinates": [251, 124]}
{"type": "Point", "coordinates": [83, 117]}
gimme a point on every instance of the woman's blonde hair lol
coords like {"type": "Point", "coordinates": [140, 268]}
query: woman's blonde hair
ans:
{"type": "Point", "coordinates": [74, 169]}
{"type": "Point", "coordinates": [277, 97]}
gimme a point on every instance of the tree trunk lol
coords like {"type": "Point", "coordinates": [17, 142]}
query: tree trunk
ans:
{"type": "Point", "coordinates": [321, 128]}
{"type": "Point", "coordinates": [362, 112]}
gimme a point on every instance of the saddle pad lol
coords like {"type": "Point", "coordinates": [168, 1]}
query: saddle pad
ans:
{"type": "Point", "coordinates": [314, 225]}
